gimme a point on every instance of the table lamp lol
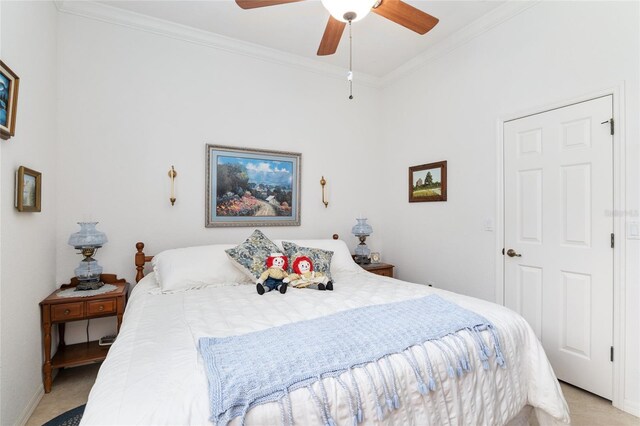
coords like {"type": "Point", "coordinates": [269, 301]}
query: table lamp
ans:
{"type": "Point", "coordinates": [362, 230]}
{"type": "Point", "coordinates": [88, 240]}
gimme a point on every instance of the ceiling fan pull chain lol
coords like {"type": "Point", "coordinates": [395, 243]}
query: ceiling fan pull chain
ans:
{"type": "Point", "coordinates": [350, 74]}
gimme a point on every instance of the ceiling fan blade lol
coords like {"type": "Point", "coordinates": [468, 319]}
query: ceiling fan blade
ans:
{"type": "Point", "coordinates": [331, 37]}
{"type": "Point", "coordinates": [406, 15]}
{"type": "Point", "coordinates": [252, 4]}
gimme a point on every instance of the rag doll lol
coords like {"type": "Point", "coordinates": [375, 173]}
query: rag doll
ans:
{"type": "Point", "coordinates": [275, 274]}
{"type": "Point", "coordinates": [305, 277]}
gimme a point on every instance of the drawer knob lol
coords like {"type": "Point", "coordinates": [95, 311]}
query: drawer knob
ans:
{"type": "Point", "coordinates": [67, 311]}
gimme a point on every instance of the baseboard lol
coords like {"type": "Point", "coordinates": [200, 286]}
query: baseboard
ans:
{"type": "Point", "coordinates": [31, 407]}
{"type": "Point", "coordinates": [631, 407]}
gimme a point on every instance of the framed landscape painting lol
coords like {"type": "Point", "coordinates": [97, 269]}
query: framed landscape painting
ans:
{"type": "Point", "coordinates": [28, 190]}
{"type": "Point", "coordinates": [9, 83]}
{"type": "Point", "coordinates": [252, 187]}
{"type": "Point", "coordinates": [428, 182]}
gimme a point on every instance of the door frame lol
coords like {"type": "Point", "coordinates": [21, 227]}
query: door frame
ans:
{"type": "Point", "coordinates": [619, 205]}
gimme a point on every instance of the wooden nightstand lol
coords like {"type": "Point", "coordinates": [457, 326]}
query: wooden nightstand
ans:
{"type": "Point", "coordinates": [384, 269]}
{"type": "Point", "coordinates": [60, 310]}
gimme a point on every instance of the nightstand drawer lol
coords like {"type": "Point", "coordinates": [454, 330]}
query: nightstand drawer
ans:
{"type": "Point", "coordinates": [383, 269]}
{"type": "Point", "coordinates": [384, 272]}
{"type": "Point", "coordinates": [67, 311]}
{"type": "Point", "coordinates": [99, 307]}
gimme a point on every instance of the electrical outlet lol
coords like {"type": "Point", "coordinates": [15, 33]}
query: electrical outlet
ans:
{"type": "Point", "coordinates": [633, 230]}
{"type": "Point", "coordinates": [488, 225]}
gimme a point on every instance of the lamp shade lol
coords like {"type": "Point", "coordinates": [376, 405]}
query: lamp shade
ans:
{"type": "Point", "coordinates": [87, 236]}
{"type": "Point", "coordinates": [345, 10]}
{"type": "Point", "coordinates": [362, 228]}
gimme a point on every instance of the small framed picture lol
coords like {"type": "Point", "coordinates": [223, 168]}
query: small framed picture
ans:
{"type": "Point", "coordinates": [28, 190]}
{"type": "Point", "coordinates": [9, 83]}
{"type": "Point", "coordinates": [375, 257]}
{"type": "Point", "coordinates": [428, 182]}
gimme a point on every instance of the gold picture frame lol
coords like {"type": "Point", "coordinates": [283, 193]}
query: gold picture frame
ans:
{"type": "Point", "coordinates": [9, 84]}
{"type": "Point", "coordinates": [28, 190]}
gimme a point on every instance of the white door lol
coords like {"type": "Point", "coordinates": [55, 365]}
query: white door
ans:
{"type": "Point", "coordinates": [558, 201]}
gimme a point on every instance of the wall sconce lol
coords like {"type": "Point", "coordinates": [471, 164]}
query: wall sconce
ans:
{"type": "Point", "coordinates": [172, 176]}
{"type": "Point", "coordinates": [323, 182]}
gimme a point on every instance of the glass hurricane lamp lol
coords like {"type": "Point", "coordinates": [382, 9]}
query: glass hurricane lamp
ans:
{"type": "Point", "coordinates": [362, 230]}
{"type": "Point", "coordinates": [88, 240]}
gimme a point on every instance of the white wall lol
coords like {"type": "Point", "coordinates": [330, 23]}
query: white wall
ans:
{"type": "Point", "coordinates": [448, 110]}
{"type": "Point", "coordinates": [133, 103]}
{"type": "Point", "coordinates": [28, 239]}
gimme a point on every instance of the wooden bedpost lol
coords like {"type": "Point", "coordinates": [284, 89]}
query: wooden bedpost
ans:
{"type": "Point", "coordinates": [140, 261]}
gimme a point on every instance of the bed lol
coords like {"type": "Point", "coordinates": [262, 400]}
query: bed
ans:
{"type": "Point", "coordinates": [154, 375]}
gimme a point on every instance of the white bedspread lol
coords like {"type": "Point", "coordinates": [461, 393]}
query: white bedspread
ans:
{"type": "Point", "coordinates": [154, 376]}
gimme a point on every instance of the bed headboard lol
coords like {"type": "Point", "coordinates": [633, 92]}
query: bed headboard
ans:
{"type": "Point", "coordinates": [140, 258]}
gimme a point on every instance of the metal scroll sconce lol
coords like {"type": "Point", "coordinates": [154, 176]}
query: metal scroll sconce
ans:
{"type": "Point", "coordinates": [172, 176]}
{"type": "Point", "coordinates": [323, 182]}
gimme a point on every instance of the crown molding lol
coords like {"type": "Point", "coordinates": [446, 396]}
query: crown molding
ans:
{"type": "Point", "coordinates": [474, 29]}
{"type": "Point", "coordinates": [113, 15]}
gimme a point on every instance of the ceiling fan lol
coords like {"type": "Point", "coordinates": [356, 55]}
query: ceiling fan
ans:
{"type": "Point", "coordinates": [347, 11]}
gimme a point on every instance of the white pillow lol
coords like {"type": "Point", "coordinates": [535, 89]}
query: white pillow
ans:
{"type": "Point", "coordinates": [341, 260]}
{"type": "Point", "coordinates": [196, 267]}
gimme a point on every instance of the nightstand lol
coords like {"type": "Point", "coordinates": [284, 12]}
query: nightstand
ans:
{"type": "Point", "coordinates": [384, 269]}
{"type": "Point", "coordinates": [60, 310]}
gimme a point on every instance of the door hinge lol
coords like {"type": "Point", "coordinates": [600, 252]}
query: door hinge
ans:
{"type": "Point", "coordinates": [611, 353]}
{"type": "Point", "coordinates": [613, 240]}
{"type": "Point", "coordinates": [503, 251]}
{"type": "Point", "coordinates": [611, 125]}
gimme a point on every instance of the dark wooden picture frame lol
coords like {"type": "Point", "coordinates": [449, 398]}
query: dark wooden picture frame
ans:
{"type": "Point", "coordinates": [9, 84]}
{"type": "Point", "coordinates": [28, 190]}
{"type": "Point", "coordinates": [428, 182]}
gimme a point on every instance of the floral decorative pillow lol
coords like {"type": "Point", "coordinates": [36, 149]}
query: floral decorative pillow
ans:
{"type": "Point", "coordinates": [251, 255]}
{"type": "Point", "coordinates": [321, 258]}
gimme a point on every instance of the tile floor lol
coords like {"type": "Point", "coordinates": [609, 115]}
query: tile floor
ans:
{"type": "Point", "coordinates": [71, 389]}
{"type": "Point", "coordinates": [588, 409]}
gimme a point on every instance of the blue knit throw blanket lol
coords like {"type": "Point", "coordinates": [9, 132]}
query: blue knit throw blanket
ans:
{"type": "Point", "coordinates": [264, 366]}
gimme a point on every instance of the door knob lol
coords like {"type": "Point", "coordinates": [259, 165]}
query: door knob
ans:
{"type": "Point", "coordinates": [512, 253]}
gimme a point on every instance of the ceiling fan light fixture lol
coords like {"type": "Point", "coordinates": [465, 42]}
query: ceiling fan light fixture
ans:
{"type": "Point", "coordinates": [348, 10]}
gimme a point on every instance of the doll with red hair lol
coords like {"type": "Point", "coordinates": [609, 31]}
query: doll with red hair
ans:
{"type": "Point", "coordinates": [305, 277]}
{"type": "Point", "coordinates": [274, 277]}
